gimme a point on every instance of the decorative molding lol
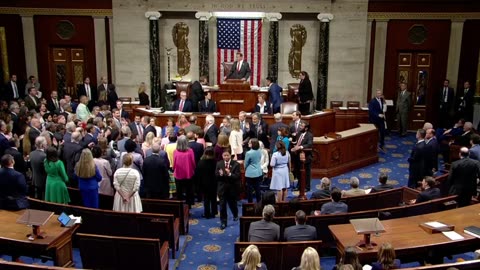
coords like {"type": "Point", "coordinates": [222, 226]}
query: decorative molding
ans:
{"type": "Point", "coordinates": [55, 11]}
{"type": "Point", "coordinates": [325, 17]}
{"type": "Point", "coordinates": [273, 17]}
{"type": "Point", "coordinates": [153, 15]}
{"type": "Point", "coordinates": [423, 16]}
{"type": "Point", "coordinates": [203, 15]}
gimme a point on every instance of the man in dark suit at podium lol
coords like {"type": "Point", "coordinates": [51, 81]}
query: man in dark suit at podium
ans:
{"type": "Point", "coordinates": [376, 116]}
{"type": "Point", "coordinates": [240, 69]}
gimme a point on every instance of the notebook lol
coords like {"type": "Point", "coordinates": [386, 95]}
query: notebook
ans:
{"type": "Point", "coordinates": [472, 230]}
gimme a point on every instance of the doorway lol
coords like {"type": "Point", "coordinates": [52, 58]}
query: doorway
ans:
{"type": "Point", "coordinates": [67, 68]}
{"type": "Point", "coordinates": [414, 69]}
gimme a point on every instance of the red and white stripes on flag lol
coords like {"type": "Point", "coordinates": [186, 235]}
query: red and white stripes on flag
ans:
{"type": "Point", "coordinates": [243, 36]}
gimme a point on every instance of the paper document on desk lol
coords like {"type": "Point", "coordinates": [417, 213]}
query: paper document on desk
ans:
{"type": "Point", "coordinates": [367, 267]}
{"type": "Point", "coordinates": [452, 235]}
{"type": "Point", "coordinates": [78, 220]}
{"type": "Point", "coordinates": [435, 224]}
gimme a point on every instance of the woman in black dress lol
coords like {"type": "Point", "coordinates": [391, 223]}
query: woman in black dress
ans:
{"type": "Point", "coordinates": [305, 93]}
{"type": "Point", "coordinates": [207, 180]}
{"type": "Point", "coordinates": [142, 95]}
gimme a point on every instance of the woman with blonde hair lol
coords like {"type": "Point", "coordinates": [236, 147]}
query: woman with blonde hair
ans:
{"type": "Point", "coordinates": [236, 139]}
{"type": "Point", "coordinates": [87, 175]}
{"type": "Point", "coordinates": [222, 144]}
{"type": "Point", "coordinates": [310, 260]}
{"type": "Point", "coordinates": [27, 144]}
{"type": "Point", "coordinates": [127, 184]}
{"type": "Point", "coordinates": [147, 144]}
{"type": "Point", "coordinates": [251, 260]}
{"type": "Point", "coordinates": [386, 258]}
{"type": "Point", "coordinates": [182, 121]}
{"type": "Point", "coordinates": [142, 95]}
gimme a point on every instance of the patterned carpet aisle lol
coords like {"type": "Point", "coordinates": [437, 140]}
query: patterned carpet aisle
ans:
{"type": "Point", "coordinates": [212, 249]}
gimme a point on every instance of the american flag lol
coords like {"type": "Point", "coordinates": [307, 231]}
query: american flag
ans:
{"type": "Point", "coordinates": [243, 36]}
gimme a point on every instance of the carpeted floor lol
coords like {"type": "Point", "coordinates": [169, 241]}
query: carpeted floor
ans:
{"type": "Point", "coordinates": [209, 248]}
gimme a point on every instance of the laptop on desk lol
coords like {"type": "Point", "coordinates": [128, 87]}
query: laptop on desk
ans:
{"type": "Point", "coordinates": [65, 220]}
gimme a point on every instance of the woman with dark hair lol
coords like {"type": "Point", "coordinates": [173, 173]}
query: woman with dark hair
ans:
{"type": "Point", "coordinates": [350, 257]}
{"type": "Point", "coordinates": [386, 258]}
{"type": "Point", "coordinates": [305, 93]}
{"type": "Point", "coordinates": [57, 179]}
{"type": "Point", "coordinates": [208, 182]}
{"type": "Point", "coordinates": [280, 164]}
{"type": "Point", "coordinates": [130, 147]}
{"type": "Point", "coordinates": [282, 135]}
{"type": "Point", "coordinates": [170, 123]}
{"type": "Point", "coordinates": [105, 186]}
{"type": "Point", "coordinates": [183, 170]}
{"type": "Point", "coordinates": [253, 170]}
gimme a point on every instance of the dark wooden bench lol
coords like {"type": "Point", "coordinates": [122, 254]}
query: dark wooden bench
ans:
{"type": "Point", "coordinates": [467, 265]}
{"type": "Point", "coordinates": [164, 227]}
{"type": "Point", "coordinates": [323, 221]}
{"type": "Point", "coordinates": [177, 208]}
{"type": "Point", "coordinates": [278, 255]}
{"type": "Point", "coordinates": [377, 200]}
{"type": "Point", "coordinates": [112, 252]}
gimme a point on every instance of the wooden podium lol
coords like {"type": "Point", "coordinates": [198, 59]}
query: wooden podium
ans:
{"type": "Point", "coordinates": [235, 84]}
{"type": "Point", "coordinates": [235, 96]}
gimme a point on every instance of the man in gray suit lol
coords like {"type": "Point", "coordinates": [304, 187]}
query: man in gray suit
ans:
{"type": "Point", "coordinates": [127, 134]}
{"type": "Point", "coordinates": [264, 230]}
{"type": "Point", "coordinates": [404, 104]}
{"type": "Point", "coordinates": [39, 176]}
{"type": "Point", "coordinates": [300, 231]}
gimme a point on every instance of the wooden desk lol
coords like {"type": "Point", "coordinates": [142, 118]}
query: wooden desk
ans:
{"type": "Point", "coordinates": [409, 240]}
{"type": "Point", "coordinates": [233, 101]}
{"type": "Point", "coordinates": [349, 118]}
{"type": "Point", "coordinates": [357, 148]}
{"type": "Point", "coordinates": [321, 123]}
{"type": "Point", "coordinates": [57, 245]}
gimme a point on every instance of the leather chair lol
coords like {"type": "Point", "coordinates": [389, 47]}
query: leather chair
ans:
{"type": "Point", "coordinates": [183, 86]}
{"type": "Point", "coordinates": [291, 96]}
{"type": "Point", "coordinates": [288, 107]}
{"type": "Point", "coordinates": [353, 104]}
{"type": "Point", "coordinates": [227, 66]}
{"type": "Point", "coordinates": [336, 104]}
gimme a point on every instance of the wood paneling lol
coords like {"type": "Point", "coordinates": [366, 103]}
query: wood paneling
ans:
{"type": "Point", "coordinates": [15, 48]}
{"type": "Point", "coordinates": [436, 43]}
{"type": "Point", "coordinates": [469, 54]}
{"type": "Point", "coordinates": [46, 37]}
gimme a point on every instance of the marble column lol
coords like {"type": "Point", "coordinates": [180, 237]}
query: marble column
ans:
{"type": "Point", "coordinates": [323, 48]}
{"type": "Point", "coordinates": [203, 48]}
{"type": "Point", "coordinates": [157, 98]}
{"type": "Point", "coordinates": [100, 46]}
{"type": "Point", "coordinates": [379, 54]}
{"type": "Point", "coordinates": [456, 33]}
{"type": "Point", "coordinates": [29, 46]}
{"type": "Point", "coordinates": [273, 45]}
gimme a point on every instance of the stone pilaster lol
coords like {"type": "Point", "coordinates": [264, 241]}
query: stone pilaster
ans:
{"type": "Point", "coordinates": [456, 33]}
{"type": "Point", "coordinates": [157, 98]}
{"type": "Point", "coordinates": [29, 45]}
{"type": "Point", "coordinates": [273, 45]}
{"type": "Point", "coordinates": [379, 55]}
{"type": "Point", "coordinates": [323, 49]}
{"type": "Point", "coordinates": [100, 47]}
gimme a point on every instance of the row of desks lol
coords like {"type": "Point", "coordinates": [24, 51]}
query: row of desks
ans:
{"type": "Point", "coordinates": [410, 240]}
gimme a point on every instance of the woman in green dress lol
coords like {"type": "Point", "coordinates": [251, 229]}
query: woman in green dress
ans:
{"type": "Point", "coordinates": [56, 190]}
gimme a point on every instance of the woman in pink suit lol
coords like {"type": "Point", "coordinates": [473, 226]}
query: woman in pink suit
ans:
{"type": "Point", "coordinates": [183, 170]}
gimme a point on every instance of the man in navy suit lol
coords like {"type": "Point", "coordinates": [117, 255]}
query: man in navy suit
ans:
{"type": "Point", "coordinates": [207, 105]}
{"type": "Point", "coordinates": [377, 117]}
{"type": "Point", "coordinates": [429, 192]}
{"type": "Point", "coordinates": [274, 94]}
{"type": "Point", "coordinates": [431, 153]}
{"type": "Point", "coordinates": [13, 187]}
{"type": "Point", "coordinates": [447, 100]}
{"type": "Point", "coordinates": [465, 102]}
{"type": "Point", "coordinates": [417, 160]}
{"type": "Point", "coordinates": [182, 104]}
{"type": "Point", "coordinates": [88, 90]}
{"type": "Point", "coordinates": [240, 69]}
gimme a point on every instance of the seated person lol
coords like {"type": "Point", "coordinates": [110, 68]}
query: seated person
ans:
{"type": "Point", "coordinates": [429, 192]}
{"type": "Point", "coordinates": [382, 179]}
{"type": "Point", "coordinates": [349, 258]}
{"type": "Point", "coordinates": [300, 231]}
{"type": "Point", "coordinates": [251, 259]}
{"type": "Point", "coordinates": [13, 187]}
{"type": "Point", "coordinates": [182, 104]}
{"type": "Point", "coordinates": [264, 230]}
{"type": "Point", "coordinates": [386, 258]}
{"type": "Point", "coordinates": [464, 138]}
{"type": "Point", "coordinates": [263, 106]}
{"type": "Point", "coordinates": [310, 260]}
{"type": "Point", "coordinates": [324, 191]}
{"type": "Point", "coordinates": [354, 191]}
{"type": "Point", "coordinates": [335, 206]}
{"type": "Point", "coordinates": [207, 105]}
{"type": "Point", "coordinates": [268, 197]}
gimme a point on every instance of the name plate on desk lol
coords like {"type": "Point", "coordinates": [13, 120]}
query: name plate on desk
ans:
{"type": "Point", "coordinates": [436, 227]}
